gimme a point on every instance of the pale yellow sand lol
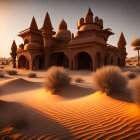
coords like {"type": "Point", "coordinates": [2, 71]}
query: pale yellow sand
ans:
{"type": "Point", "coordinates": [76, 112]}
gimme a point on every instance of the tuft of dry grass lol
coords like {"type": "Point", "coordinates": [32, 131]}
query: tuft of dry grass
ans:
{"type": "Point", "coordinates": [56, 78]}
{"type": "Point", "coordinates": [110, 80]}
{"type": "Point", "coordinates": [32, 75]}
{"type": "Point", "coordinates": [130, 75]}
{"type": "Point", "coordinates": [11, 72]}
{"type": "Point", "coordinates": [136, 90]}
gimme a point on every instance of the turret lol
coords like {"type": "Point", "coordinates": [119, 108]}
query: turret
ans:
{"type": "Point", "coordinates": [89, 17]}
{"type": "Point", "coordinates": [31, 34]}
{"type": "Point", "coordinates": [33, 25]}
{"type": "Point", "coordinates": [121, 45]}
{"type": "Point", "coordinates": [80, 23]}
{"type": "Point", "coordinates": [63, 34]}
{"type": "Point", "coordinates": [13, 53]}
{"type": "Point", "coordinates": [47, 31]}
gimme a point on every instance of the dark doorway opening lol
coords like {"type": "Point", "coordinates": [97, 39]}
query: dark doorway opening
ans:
{"type": "Point", "coordinates": [23, 62]}
{"type": "Point", "coordinates": [41, 63]}
{"type": "Point", "coordinates": [84, 61]}
{"type": "Point", "coordinates": [59, 59]}
{"type": "Point", "coordinates": [106, 60]}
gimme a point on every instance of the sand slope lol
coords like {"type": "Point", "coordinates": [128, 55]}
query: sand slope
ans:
{"type": "Point", "coordinates": [89, 116]}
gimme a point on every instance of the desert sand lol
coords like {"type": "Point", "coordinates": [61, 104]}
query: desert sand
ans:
{"type": "Point", "coordinates": [28, 112]}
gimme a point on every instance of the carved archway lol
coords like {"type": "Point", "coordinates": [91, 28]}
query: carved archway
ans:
{"type": "Point", "coordinates": [23, 62]}
{"type": "Point", "coordinates": [111, 60]}
{"type": "Point", "coordinates": [106, 59]}
{"type": "Point", "coordinates": [59, 59]}
{"type": "Point", "coordinates": [84, 61]}
{"type": "Point", "coordinates": [38, 62]}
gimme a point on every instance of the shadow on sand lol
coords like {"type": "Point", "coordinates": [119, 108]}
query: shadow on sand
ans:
{"type": "Point", "coordinates": [74, 91]}
{"type": "Point", "coordinates": [22, 122]}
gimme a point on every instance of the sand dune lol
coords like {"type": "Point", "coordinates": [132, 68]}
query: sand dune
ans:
{"type": "Point", "coordinates": [75, 112]}
{"type": "Point", "coordinates": [17, 85]}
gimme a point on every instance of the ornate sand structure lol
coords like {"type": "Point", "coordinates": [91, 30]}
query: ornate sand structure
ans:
{"type": "Point", "coordinates": [43, 47]}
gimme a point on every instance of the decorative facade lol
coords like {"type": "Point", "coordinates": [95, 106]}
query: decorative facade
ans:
{"type": "Point", "coordinates": [44, 47]}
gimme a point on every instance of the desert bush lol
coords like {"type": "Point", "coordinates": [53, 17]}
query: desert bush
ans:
{"type": "Point", "coordinates": [79, 80]}
{"type": "Point", "coordinates": [11, 72]}
{"type": "Point", "coordinates": [135, 85]}
{"type": "Point", "coordinates": [130, 75]}
{"type": "Point", "coordinates": [110, 80]}
{"type": "Point", "coordinates": [56, 78]}
{"type": "Point", "coordinates": [31, 75]}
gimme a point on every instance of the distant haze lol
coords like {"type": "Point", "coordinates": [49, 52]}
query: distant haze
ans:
{"type": "Point", "coordinates": [119, 15]}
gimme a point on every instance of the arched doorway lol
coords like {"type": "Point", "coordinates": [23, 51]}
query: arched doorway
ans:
{"type": "Point", "coordinates": [26, 41]}
{"type": "Point", "coordinates": [59, 59]}
{"type": "Point", "coordinates": [97, 60]}
{"type": "Point", "coordinates": [38, 63]}
{"type": "Point", "coordinates": [119, 61]}
{"type": "Point", "coordinates": [84, 61]}
{"type": "Point", "coordinates": [41, 63]}
{"type": "Point", "coordinates": [106, 60]}
{"type": "Point", "coordinates": [111, 60]}
{"type": "Point", "coordinates": [23, 62]}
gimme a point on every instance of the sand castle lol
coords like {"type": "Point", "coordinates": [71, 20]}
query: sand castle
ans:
{"type": "Point", "coordinates": [44, 47]}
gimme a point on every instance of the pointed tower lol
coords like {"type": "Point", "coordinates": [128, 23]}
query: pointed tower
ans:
{"type": "Point", "coordinates": [47, 33]}
{"type": "Point", "coordinates": [121, 45]}
{"type": "Point", "coordinates": [89, 17]}
{"type": "Point", "coordinates": [13, 53]}
{"type": "Point", "coordinates": [33, 25]}
{"type": "Point", "coordinates": [31, 34]}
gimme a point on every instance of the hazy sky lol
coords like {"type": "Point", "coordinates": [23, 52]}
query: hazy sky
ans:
{"type": "Point", "coordinates": [119, 15]}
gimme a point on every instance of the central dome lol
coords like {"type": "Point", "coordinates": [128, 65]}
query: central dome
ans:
{"type": "Point", "coordinates": [62, 25]}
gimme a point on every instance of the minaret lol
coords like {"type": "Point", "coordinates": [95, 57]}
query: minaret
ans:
{"type": "Point", "coordinates": [13, 53]}
{"type": "Point", "coordinates": [121, 45]}
{"type": "Point", "coordinates": [47, 33]}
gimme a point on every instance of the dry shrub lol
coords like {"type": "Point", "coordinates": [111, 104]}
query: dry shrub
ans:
{"type": "Point", "coordinates": [79, 80]}
{"type": "Point", "coordinates": [32, 75]}
{"type": "Point", "coordinates": [56, 78]}
{"type": "Point", "coordinates": [109, 79]}
{"type": "Point", "coordinates": [136, 90]}
{"type": "Point", "coordinates": [11, 72]}
{"type": "Point", "coordinates": [130, 75]}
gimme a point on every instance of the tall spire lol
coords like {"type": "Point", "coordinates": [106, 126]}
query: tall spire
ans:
{"type": "Point", "coordinates": [47, 23]}
{"type": "Point", "coordinates": [14, 46]}
{"type": "Point", "coordinates": [89, 12]}
{"type": "Point", "coordinates": [33, 24]}
{"type": "Point", "coordinates": [122, 41]}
